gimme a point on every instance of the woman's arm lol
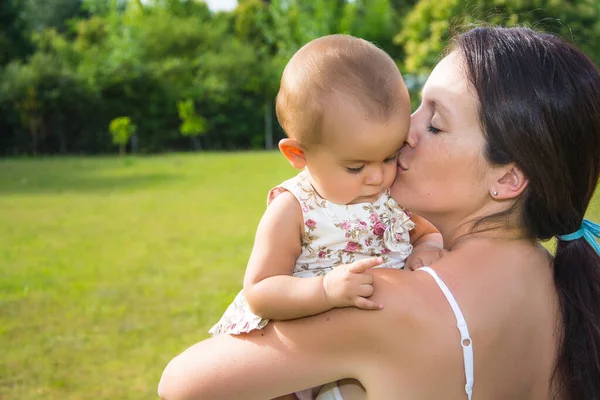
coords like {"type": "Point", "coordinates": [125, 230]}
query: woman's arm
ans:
{"type": "Point", "coordinates": [280, 359]}
{"type": "Point", "coordinates": [288, 356]}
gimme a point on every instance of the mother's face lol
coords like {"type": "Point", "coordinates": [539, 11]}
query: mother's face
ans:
{"type": "Point", "coordinates": [442, 170]}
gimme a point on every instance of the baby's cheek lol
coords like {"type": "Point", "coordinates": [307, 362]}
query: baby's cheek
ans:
{"type": "Point", "coordinates": [391, 174]}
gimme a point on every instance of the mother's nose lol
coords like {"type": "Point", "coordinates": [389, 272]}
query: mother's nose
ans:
{"type": "Point", "coordinates": [412, 138]}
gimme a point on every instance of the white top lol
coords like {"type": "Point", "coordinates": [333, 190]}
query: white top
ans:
{"type": "Point", "coordinates": [461, 324]}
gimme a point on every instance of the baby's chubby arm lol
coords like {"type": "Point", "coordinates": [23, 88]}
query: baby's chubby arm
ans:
{"type": "Point", "coordinates": [428, 244]}
{"type": "Point", "coordinates": [270, 289]}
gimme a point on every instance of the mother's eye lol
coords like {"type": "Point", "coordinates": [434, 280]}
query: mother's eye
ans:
{"type": "Point", "coordinates": [433, 129]}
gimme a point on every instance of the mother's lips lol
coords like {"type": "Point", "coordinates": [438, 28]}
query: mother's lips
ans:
{"type": "Point", "coordinates": [402, 166]}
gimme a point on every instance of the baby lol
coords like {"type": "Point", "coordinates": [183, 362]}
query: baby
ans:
{"type": "Point", "coordinates": [345, 109]}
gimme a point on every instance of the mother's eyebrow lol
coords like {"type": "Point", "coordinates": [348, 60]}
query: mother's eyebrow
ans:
{"type": "Point", "coordinates": [438, 106]}
{"type": "Point", "coordinates": [434, 103]}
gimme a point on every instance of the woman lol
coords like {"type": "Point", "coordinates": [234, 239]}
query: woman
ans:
{"type": "Point", "coordinates": [504, 150]}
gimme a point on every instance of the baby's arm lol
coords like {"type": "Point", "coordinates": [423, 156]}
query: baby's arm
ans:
{"type": "Point", "coordinates": [424, 232]}
{"type": "Point", "coordinates": [428, 244]}
{"type": "Point", "coordinates": [270, 289]}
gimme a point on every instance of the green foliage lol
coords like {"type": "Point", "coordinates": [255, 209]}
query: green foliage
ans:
{"type": "Point", "coordinates": [192, 123]}
{"type": "Point", "coordinates": [69, 67]}
{"type": "Point", "coordinates": [41, 15]}
{"type": "Point", "coordinates": [13, 36]}
{"type": "Point", "coordinates": [431, 23]}
{"type": "Point", "coordinates": [121, 129]}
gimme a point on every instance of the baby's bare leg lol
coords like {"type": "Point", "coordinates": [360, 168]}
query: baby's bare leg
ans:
{"type": "Point", "coordinates": [351, 389]}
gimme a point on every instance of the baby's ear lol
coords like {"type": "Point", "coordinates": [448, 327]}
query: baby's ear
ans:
{"type": "Point", "coordinates": [292, 150]}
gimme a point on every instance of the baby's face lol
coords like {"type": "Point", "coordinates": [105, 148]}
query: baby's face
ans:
{"type": "Point", "coordinates": [357, 161]}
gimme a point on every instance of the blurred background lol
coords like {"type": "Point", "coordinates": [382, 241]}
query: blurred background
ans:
{"type": "Point", "coordinates": [132, 170]}
{"type": "Point", "coordinates": [188, 75]}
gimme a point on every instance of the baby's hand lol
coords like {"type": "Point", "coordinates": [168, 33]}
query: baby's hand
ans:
{"type": "Point", "coordinates": [351, 285]}
{"type": "Point", "coordinates": [424, 254]}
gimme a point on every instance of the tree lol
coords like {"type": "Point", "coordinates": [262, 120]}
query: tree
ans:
{"type": "Point", "coordinates": [373, 20]}
{"type": "Point", "coordinates": [69, 67]}
{"type": "Point", "coordinates": [276, 30]}
{"type": "Point", "coordinates": [254, 24]}
{"type": "Point", "coordinates": [41, 15]}
{"type": "Point", "coordinates": [192, 125]}
{"type": "Point", "coordinates": [431, 23]}
{"type": "Point", "coordinates": [121, 130]}
{"type": "Point", "coordinates": [13, 37]}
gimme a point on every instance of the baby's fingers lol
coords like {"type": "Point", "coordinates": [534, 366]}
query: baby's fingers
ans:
{"type": "Point", "coordinates": [360, 266]}
{"type": "Point", "coordinates": [366, 304]}
{"type": "Point", "coordinates": [414, 263]}
{"type": "Point", "coordinates": [366, 290]}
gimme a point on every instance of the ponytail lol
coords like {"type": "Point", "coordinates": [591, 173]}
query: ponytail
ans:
{"type": "Point", "coordinates": [577, 279]}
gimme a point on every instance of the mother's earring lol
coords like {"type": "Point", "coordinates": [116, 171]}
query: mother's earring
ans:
{"type": "Point", "coordinates": [495, 193]}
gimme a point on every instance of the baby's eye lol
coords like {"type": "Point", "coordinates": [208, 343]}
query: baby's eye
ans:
{"type": "Point", "coordinates": [355, 170]}
{"type": "Point", "coordinates": [391, 159]}
{"type": "Point", "coordinates": [433, 129]}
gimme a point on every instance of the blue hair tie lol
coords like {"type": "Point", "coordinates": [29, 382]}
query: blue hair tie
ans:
{"type": "Point", "coordinates": [589, 231]}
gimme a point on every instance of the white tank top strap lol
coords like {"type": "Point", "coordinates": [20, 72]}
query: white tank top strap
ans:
{"type": "Point", "coordinates": [466, 341]}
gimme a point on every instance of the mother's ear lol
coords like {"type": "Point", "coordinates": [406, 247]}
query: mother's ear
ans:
{"type": "Point", "coordinates": [292, 150]}
{"type": "Point", "coordinates": [510, 184]}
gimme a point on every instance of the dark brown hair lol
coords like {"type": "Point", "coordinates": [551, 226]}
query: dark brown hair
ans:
{"type": "Point", "coordinates": [539, 107]}
{"type": "Point", "coordinates": [334, 65]}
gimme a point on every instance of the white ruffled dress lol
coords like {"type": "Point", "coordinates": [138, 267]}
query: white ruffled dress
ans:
{"type": "Point", "coordinates": [334, 235]}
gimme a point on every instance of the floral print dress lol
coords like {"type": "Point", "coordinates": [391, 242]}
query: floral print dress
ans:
{"type": "Point", "coordinates": [334, 235]}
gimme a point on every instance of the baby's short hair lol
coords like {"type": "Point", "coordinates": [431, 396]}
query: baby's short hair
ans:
{"type": "Point", "coordinates": [334, 65]}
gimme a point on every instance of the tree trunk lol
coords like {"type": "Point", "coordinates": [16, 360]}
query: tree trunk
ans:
{"type": "Point", "coordinates": [268, 124]}
{"type": "Point", "coordinates": [121, 150]}
{"type": "Point", "coordinates": [196, 145]}
{"type": "Point", "coordinates": [35, 129]}
{"type": "Point", "coordinates": [34, 141]}
{"type": "Point", "coordinates": [135, 143]}
{"type": "Point", "coordinates": [62, 141]}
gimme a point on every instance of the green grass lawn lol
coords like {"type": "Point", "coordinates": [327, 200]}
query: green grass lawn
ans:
{"type": "Point", "coordinates": [109, 267]}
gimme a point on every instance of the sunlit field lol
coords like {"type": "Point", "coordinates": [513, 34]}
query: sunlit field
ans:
{"type": "Point", "coordinates": [109, 267]}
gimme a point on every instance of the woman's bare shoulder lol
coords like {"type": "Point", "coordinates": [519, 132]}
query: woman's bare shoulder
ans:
{"type": "Point", "coordinates": [410, 294]}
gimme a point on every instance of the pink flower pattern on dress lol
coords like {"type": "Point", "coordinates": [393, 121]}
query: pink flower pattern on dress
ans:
{"type": "Point", "coordinates": [346, 225]}
{"type": "Point", "coordinates": [373, 217]}
{"type": "Point", "coordinates": [379, 228]}
{"type": "Point", "coordinates": [352, 246]}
